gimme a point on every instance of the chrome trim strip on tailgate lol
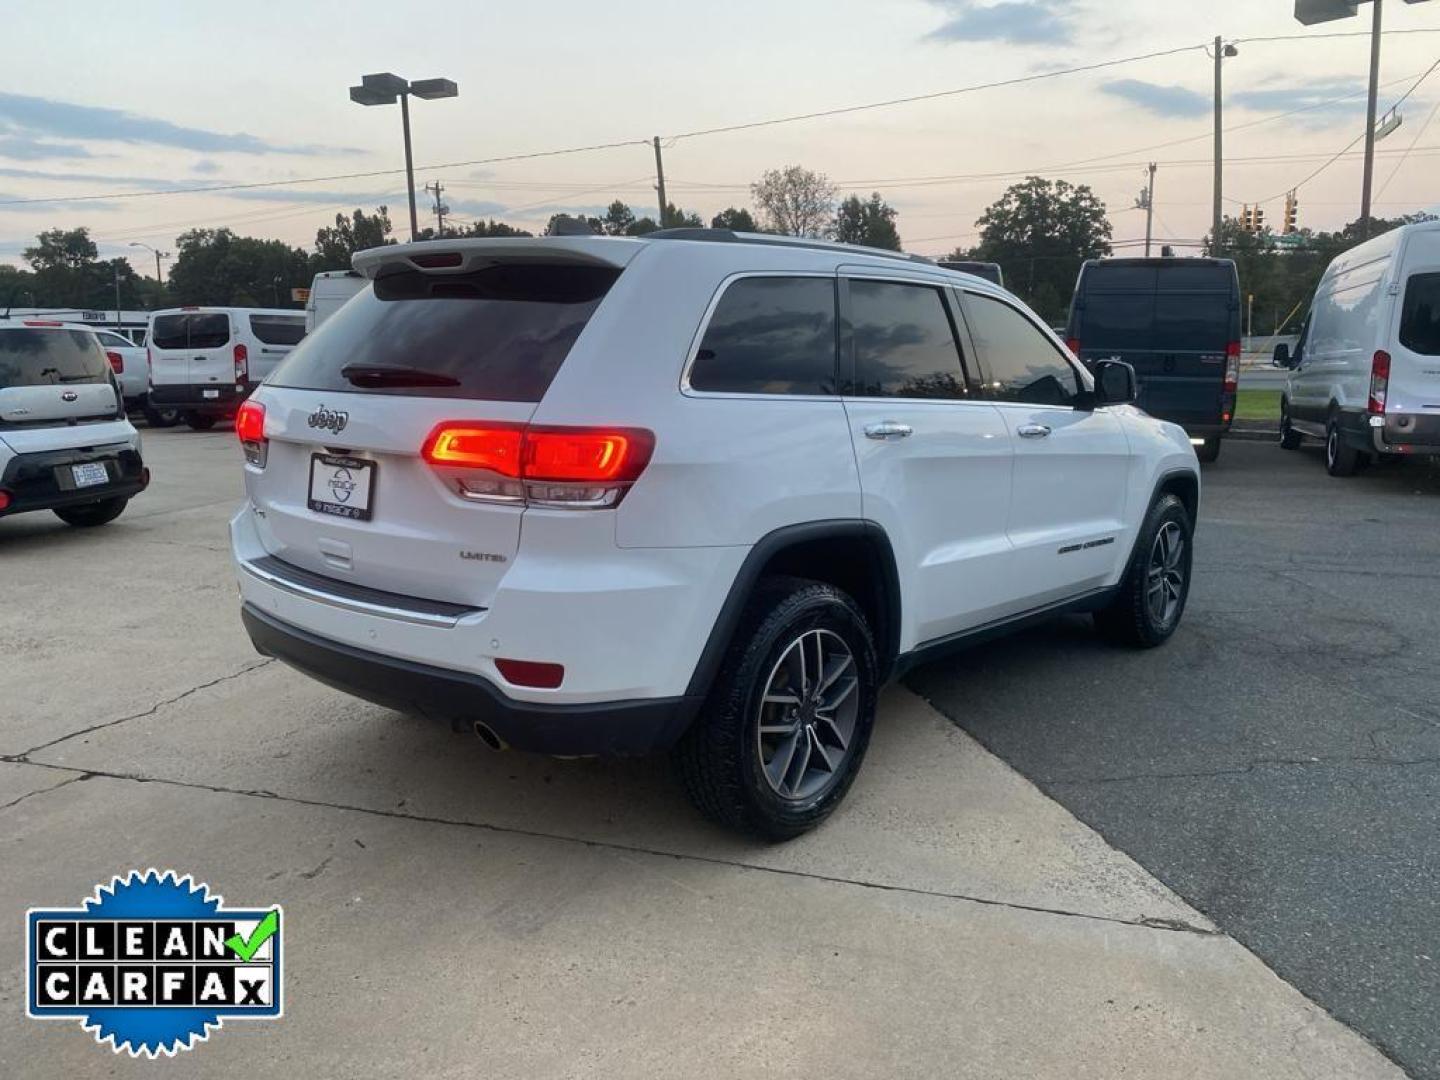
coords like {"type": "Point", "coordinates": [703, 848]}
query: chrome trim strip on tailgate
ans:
{"type": "Point", "coordinates": [350, 597]}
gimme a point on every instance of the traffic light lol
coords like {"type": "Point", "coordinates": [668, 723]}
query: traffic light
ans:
{"type": "Point", "coordinates": [1292, 206]}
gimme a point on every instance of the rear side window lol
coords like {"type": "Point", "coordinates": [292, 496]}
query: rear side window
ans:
{"type": "Point", "coordinates": [498, 334]}
{"type": "Point", "coordinates": [278, 329]}
{"type": "Point", "coordinates": [1022, 363]}
{"type": "Point", "coordinates": [904, 343]}
{"type": "Point", "coordinates": [770, 335]}
{"type": "Point", "coordinates": [1420, 317]}
{"type": "Point", "coordinates": [191, 330]}
{"type": "Point", "coordinates": [51, 357]}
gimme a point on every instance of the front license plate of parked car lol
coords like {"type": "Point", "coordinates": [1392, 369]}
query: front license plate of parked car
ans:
{"type": "Point", "coordinates": [89, 474]}
{"type": "Point", "coordinates": [341, 486]}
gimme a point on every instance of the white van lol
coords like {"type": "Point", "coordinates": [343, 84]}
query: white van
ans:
{"type": "Point", "coordinates": [206, 360]}
{"type": "Point", "coordinates": [328, 293]}
{"type": "Point", "coordinates": [1365, 374]}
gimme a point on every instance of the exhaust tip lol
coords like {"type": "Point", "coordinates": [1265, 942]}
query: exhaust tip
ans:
{"type": "Point", "coordinates": [486, 734]}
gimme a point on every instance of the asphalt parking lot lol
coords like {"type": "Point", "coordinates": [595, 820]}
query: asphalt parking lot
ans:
{"type": "Point", "coordinates": [1278, 765]}
{"type": "Point", "coordinates": [459, 912]}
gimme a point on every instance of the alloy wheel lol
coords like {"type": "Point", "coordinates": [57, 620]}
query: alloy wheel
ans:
{"type": "Point", "coordinates": [1165, 577]}
{"type": "Point", "coordinates": [808, 714]}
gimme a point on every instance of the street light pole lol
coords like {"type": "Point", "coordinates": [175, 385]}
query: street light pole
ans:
{"type": "Point", "coordinates": [1369, 181]}
{"type": "Point", "coordinates": [384, 89]}
{"type": "Point", "coordinates": [409, 162]}
{"type": "Point", "coordinates": [1217, 210]}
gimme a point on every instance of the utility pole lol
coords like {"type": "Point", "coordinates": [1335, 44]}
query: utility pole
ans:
{"type": "Point", "coordinates": [440, 208]}
{"type": "Point", "coordinates": [116, 265]}
{"type": "Point", "coordinates": [660, 181]}
{"type": "Point", "coordinates": [1370, 126]}
{"type": "Point", "coordinates": [1216, 213]}
{"type": "Point", "coordinates": [1149, 208]}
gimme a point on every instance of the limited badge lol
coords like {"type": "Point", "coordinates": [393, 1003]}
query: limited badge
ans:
{"type": "Point", "coordinates": [152, 962]}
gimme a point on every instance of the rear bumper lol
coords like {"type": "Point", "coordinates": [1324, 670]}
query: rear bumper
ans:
{"type": "Point", "coordinates": [191, 397]}
{"type": "Point", "coordinates": [608, 728]}
{"type": "Point", "coordinates": [1407, 433]}
{"type": "Point", "coordinates": [38, 481]}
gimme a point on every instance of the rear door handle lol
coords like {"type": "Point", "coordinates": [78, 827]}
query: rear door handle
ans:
{"type": "Point", "coordinates": [888, 429]}
{"type": "Point", "coordinates": [1033, 431]}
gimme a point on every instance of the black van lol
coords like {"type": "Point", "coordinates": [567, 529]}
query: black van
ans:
{"type": "Point", "coordinates": [987, 270]}
{"type": "Point", "coordinates": [1177, 323]}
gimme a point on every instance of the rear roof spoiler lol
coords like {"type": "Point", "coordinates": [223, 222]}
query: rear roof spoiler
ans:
{"type": "Point", "coordinates": [462, 256]}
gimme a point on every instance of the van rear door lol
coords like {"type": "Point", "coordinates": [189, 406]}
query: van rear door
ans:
{"type": "Point", "coordinates": [1414, 380]}
{"type": "Point", "coordinates": [191, 348]}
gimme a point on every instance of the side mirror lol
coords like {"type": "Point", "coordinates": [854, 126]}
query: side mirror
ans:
{"type": "Point", "coordinates": [1282, 355]}
{"type": "Point", "coordinates": [1114, 382]}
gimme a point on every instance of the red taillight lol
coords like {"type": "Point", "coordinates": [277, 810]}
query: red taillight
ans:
{"type": "Point", "coordinates": [1073, 344]}
{"type": "Point", "coordinates": [1379, 382]}
{"type": "Point", "coordinates": [4, 500]}
{"type": "Point", "coordinates": [531, 673]}
{"type": "Point", "coordinates": [1232, 367]}
{"type": "Point", "coordinates": [242, 359]}
{"type": "Point", "coordinates": [579, 467]}
{"type": "Point", "coordinates": [250, 422]}
{"type": "Point", "coordinates": [117, 362]}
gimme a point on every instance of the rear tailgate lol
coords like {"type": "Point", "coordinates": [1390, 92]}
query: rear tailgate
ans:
{"type": "Point", "coordinates": [49, 374]}
{"type": "Point", "coordinates": [191, 348]}
{"type": "Point", "coordinates": [1185, 378]}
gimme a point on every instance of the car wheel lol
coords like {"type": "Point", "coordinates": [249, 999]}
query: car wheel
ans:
{"type": "Point", "coordinates": [199, 421]}
{"type": "Point", "coordinates": [786, 725]}
{"type": "Point", "coordinates": [1341, 459]}
{"type": "Point", "coordinates": [92, 514]}
{"type": "Point", "coordinates": [1151, 600]}
{"type": "Point", "coordinates": [158, 417]}
{"type": "Point", "coordinates": [1209, 450]}
{"type": "Point", "coordinates": [1289, 437]}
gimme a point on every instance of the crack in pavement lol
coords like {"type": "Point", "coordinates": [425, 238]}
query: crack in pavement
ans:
{"type": "Point", "coordinates": [1148, 922]}
{"type": "Point", "coordinates": [44, 790]}
{"type": "Point", "coordinates": [23, 757]}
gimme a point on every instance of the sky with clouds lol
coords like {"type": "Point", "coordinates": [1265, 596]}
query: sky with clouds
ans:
{"type": "Point", "coordinates": [169, 97]}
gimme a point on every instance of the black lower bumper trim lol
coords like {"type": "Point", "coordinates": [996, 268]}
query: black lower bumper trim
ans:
{"type": "Point", "coordinates": [606, 728]}
{"type": "Point", "coordinates": [191, 397]}
{"type": "Point", "coordinates": [33, 481]}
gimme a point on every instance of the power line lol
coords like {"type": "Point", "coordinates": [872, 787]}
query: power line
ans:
{"type": "Point", "coordinates": [1336, 34]}
{"type": "Point", "coordinates": [1405, 156]}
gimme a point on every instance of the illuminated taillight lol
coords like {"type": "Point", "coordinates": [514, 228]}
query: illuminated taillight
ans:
{"type": "Point", "coordinates": [534, 673]}
{"type": "Point", "coordinates": [242, 362]}
{"type": "Point", "coordinates": [1379, 382]}
{"type": "Point", "coordinates": [571, 467]}
{"type": "Point", "coordinates": [4, 499]}
{"type": "Point", "coordinates": [1232, 367]}
{"type": "Point", "coordinates": [250, 430]}
{"type": "Point", "coordinates": [117, 362]}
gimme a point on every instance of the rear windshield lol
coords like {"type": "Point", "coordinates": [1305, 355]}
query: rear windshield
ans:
{"type": "Point", "coordinates": [1118, 321]}
{"type": "Point", "coordinates": [192, 330]}
{"type": "Point", "coordinates": [1192, 321]}
{"type": "Point", "coordinates": [278, 329]}
{"type": "Point", "coordinates": [498, 334]}
{"type": "Point", "coordinates": [1420, 318]}
{"type": "Point", "coordinates": [47, 357]}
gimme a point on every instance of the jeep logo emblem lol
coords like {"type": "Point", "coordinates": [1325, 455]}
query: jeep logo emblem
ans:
{"type": "Point", "coordinates": [328, 420]}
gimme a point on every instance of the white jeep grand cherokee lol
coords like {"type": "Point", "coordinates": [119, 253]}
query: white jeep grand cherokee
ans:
{"type": "Point", "coordinates": [703, 491]}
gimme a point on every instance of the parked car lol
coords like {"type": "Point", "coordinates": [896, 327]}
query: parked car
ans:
{"type": "Point", "coordinates": [1365, 374]}
{"type": "Point", "coordinates": [988, 270]}
{"type": "Point", "coordinates": [205, 360]}
{"type": "Point", "coordinates": [65, 444]}
{"type": "Point", "coordinates": [328, 293]}
{"type": "Point", "coordinates": [1177, 323]}
{"type": "Point", "coordinates": [127, 360]}
{"type": "Point", "coordinates": [704, 491]}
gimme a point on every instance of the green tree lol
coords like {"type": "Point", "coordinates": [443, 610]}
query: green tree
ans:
{"type": "Point", "coordinates": [334, 245]}
{"type": "Point", "coordinates": [675, 218]}
{"type": "Point", "coordinates": [870, 222]}
{"type": "Point", "coordinates": [642, 226]}
{"type": "Point", "coordinates": [214, 266]}
{"type": "Point", "coordinates": [594, 224]}
{"type": "Point", "coordinates": [795, 201]}
{"type": "Point", "coordinates": [1040, 231]}
{"type": "Point", "coordinates": [482, 228]}
{"type": "Point", "coordinates": [734, 218]}
{"type": "Point", "coordinates": [57, 249]}
{"type": "Point", "coordinates": [618, 219]}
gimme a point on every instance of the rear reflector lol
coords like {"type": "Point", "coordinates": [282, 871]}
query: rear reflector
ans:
{"type": "Point", "coordinates": [440, 260]}
{"type": "Point", "coordinates": [117, 362]}
{"type": "Point", "coordinates": [1379, 382]}
{"type": "Point", "coordinates": [532, 673]}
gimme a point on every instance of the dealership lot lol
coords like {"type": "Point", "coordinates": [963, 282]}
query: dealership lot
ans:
{"type": "Point", "coordinates": [521, 916]}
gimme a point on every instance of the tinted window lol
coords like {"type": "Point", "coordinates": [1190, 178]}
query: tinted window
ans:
{"type": "Point", "coordinates": [278, 329]}
{"type": "Point", "coordinates": [1196, 321]}
{"type": "Point", "coordinates": [904, 344]}
{"type": "Point", "coordinates": [1022, 364]}
{"type": "Point", "coordinates": [192, 330]}
{"type": "Point", "coordinates": [1119, 277]}
{"type": "Point", "coordinates": [40, 357]}
{"type": "Point", "coordinates": [770, 335]}
{"type": "Point", "coordinates": [498, 334]}
{"type": "Point", "coordinates": [1116, 321]}
{"type": "Point", "coordinates": [1420, 318]}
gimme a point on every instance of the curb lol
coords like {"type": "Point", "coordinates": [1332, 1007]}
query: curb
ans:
{"type": "Point", "coordinates": [1254, 432]}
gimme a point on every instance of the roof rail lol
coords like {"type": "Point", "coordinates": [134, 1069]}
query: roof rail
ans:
{"type": "Point", "coordinates": [730, 236]}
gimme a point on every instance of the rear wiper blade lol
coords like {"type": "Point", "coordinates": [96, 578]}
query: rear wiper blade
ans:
{"type": "Point", "coordinates": [373, 375]}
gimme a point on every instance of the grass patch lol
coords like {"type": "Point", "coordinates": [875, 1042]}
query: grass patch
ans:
{"type": "Point", "coordinates": [1258, 405]}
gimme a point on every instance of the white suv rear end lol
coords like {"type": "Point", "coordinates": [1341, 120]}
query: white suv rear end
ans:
{"type": "Point", "coordinates": [598, 495]}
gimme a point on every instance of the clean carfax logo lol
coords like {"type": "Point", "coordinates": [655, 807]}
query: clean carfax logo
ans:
{"type": "Point", "coordinates": [328, 419]}
{"type": "Point", "coordinates": [152, 962]}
